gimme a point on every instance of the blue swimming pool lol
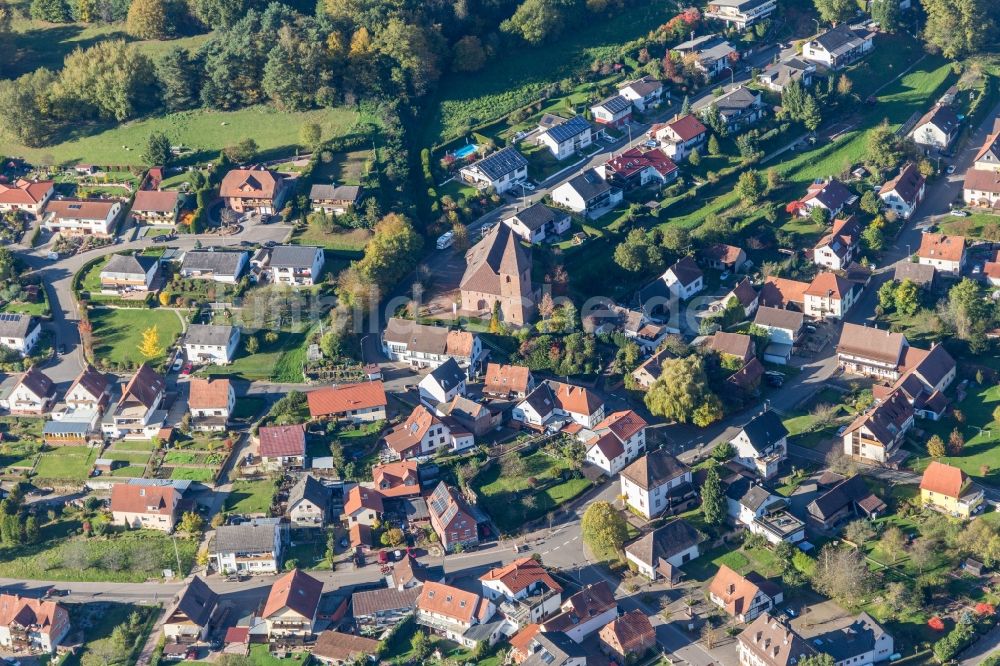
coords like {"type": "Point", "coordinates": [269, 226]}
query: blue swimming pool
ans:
{"type": "Point", "coordinates": [465, 151]}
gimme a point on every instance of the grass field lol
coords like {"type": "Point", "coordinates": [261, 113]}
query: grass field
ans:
{"type": "Point", "coordinates": [118, 332]}
{"type": "Point", "coordinates": [66, 464]}
{"type": "Point", "coordinates": [265, 363]}
{"type": "Point", "coordinates": [519, 77]}
{"type": "Point", "coordinates": [504, 496]}
{"type": "Point", "coordinates": [350, 241]}
{"type": "Point", "coordinates": [982, 436]}
{"type": "Point", "coordinates": [61, 554]}
{"type": "Point", "coordinates": [250, 497]}
{"type": "Point", "coordinates": [204, 475]}
{"type": "Point", "coordinates": [203, 132]}
{"type": "Point", "coordinates": [974, 226]}
{"type": "Point", "coordinates": [740, 560]}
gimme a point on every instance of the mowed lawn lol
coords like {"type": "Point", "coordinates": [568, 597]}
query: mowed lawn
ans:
{"type": "Point", "coordinates": [980, 458]}
{"type": "Point", "coordinates": [118, 332]}
{"type": "Point", "coordinates": [66, 464]}
{"type": "Point", "coordinates": [204, 132]}
{"type": "Point", "coordinates": [250, 497]}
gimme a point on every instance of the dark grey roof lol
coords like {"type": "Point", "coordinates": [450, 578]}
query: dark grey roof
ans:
{"type": "Point", "coordinates": [308, 488]}
{"type": "Point", "coordinates": [735, 101]}
{"type": "Point", "coordinates": [840, 496]}
{"type": "Point", "coordinates": [218, 262]}
{"type": "Point", "coordinates": [541, 399]}
{"type": "Point", "coordinates": [448, 375]}
{"type": "Point", "coordinates": [254, 536]}
{"type": "Point", "coordinates": [198, 602]}
{"type": "Point", "coordinates": [841, 39]}
{"type": "Point", "coordinates": [320, 192]}
{"type": "Point", "coordinates": [553, 648]}
{"type": "Point", "coordinates": [854, 640]}
{"type": "Point", "coordinates": [643, 86]}
{"type": "Point", "coordinates": [569, 129]}
{"type": "Point", "coordinates": [536, 216]}
{"type": "Point", "coordinates": [686, 271]}
{"type": "Point", "coordinates": [501, 163]}
{"type": "Point", "coordinates": [664, 542]}
{"type": "Point", "coordinates": [834, 195]}
{"type": "Point", "coordinates": [132, 264]}
{"type": "Point", "coordinates": [589, 185]}
{"type": "Point", "coordinates": [208, 334]}
{"type": "Point", "coordinates": [943, 117]}
{"type": "Point", "coordinates": [66, 428]}
{"type": "Point", "coordinates": [615, 104]}
{"type": "Point", "coordinates": [654, 469]}
{"type": "Point", "coordinates": [415, 508]}
{"type": "Point", "coordinates": [293, 256]}
{"type": "Point", "coordinates": [755, 497]}
{"type": "Point", "coordinates": [765, 430]}
{"type": "Point", "coordinates": [15, 325]}
{"type": "Point", "coordinates": [921, 274]}
{"type": "Point", "coordinates": [484, 630]}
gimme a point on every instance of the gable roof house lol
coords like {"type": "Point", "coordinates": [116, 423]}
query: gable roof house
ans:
{"type": "Point", "coordinates": [459, 616]}
{"type": "Point", "coordinates": [471, 415]}
{"type": "Point", "coordinates": [211, 343]}
{"type": "Point", "coordinates": [710, 54]}
{"type": "Point", "coordinates": [442, 383]}
{"type": "Point", "coordinates": [37, 624]}
{"type": "Point", "coordinates": [295, 265]}
{"type": "Point", "coordinates": [425, 346]}
{"type": "Point", "coordinates": [629, 635]}
{"type": "Point", "coordinates": [26, 195]}
{"type": "Point", "coordinates": [76, 423]}
{"type": "Point", "coordinates": [335, 648]}
{"type": "Point", "coordinates": [334, 199]}
{"type": "Point", "coordinates": [538, 222]}
{"type": "Point", "coordinates": [829, 296]}
{"type": "Point", "coordinates": [452, 518]}
{"type": "Point", "coordinates": [937, 128]}
{"type": "Point", "coordinates": [19, 332]}
{"type": "Point", "coordinates": [837, 249]}
{"type": "Point", "coordinates": [220, 266]}
{"type": "Point", "coordinates": [376, 610]}
{"type": "Point", "coordinates": [615, 442]}
{"type": "Point", "coordinates": [783, 327]}
{"type": "Point", "coordinates": [191, 617]}
{"type": "Point", "coordinates": [846, 500]}
{"type": "Point", "coordinates": [876, 435]}
{"type": "Point", "coordinates": [777, 75]}
{"type": "Point", "coordinates": [567, 137]}
{"type": "Point", "coordinates": [831, 196]}
{"type": "Point", "coordinates": [740, 14]}
{"type": "Point", "coordinates": [423, 434]}
{"type": "Point", "coordinates": [743, 597]}
{"type": "Point", "coordinates": [141, 506]}
{"type": "Point", "coordinates": [255, 190]}
{"type": "Point", "coordinates": [553, 401]}
{"type": "Point", "coordinates": [944, 252]}
{"type": "Point", "coordinates": [397, 479]}
{"type": "Point", "coordinates": [680, 136]}
{"type": "Point", "coordinates": [904, 193]}
{"type": "Point", "coordinates": [864, 641]}
{"type": "Point", "coordinates": [362, 402]}
{"type": "Point", "coordinates": [549, 648]}
{"type": "Point", "coordinates": [636, 167]}
{"type": "Point", "coordinates": [498, 270]}
{"type": "Point", "coordinates": [508, 381]}
{"type": "Point", "coordinates": [920, 274]}
{"type": "Point", "coordinates": [253, 547]}
{"type": "Point", "coordinates": [734, 345]}
{"type": "Point", "coordinates": [291, 606]}
{"type": "Point", "coordinates": [950, 490]}
{"type": "Point", "coordinates": [211, 403]}
{"type": "Point", "coordinates": [660, 553]}
{"type": "Point", "coordinates": [501, 170]}
{"type": "Point", "coordinates": [768, 642]}
{"type": "Point", "coordinates": [139, 411]}
{"type": "Point", "coordinates": [583, 613]}
{"type": "Point", "coordinates": [739, 108]}
{"type": "Point", "coordinates": [126, 273]}
{"type": "Point", "coordinates": [723, 257]}
{"type": "Point", "coordinates": [587, 193]}
{"type": "Point", "coordinates": [309, 502]}
{"type": "Point", "coordinates": [777, 292]}
{"type": "Point", "coordinates": [657, 483]}
{"type": "Point", "coordinates": [643, 93]}
{"type": "Point", "coordinates": [649, 370]}
{"type": "Point", "coordinates": [684, 279]}
{"type": "Point", "coordinates": [871, 352]}
{"type": "Point", "coordinates": [839, 46]}
{"type": "Point", "coordinates": [524, 590]}
{"type": "Point", "coordinates": [982, 180]}
{"type": "Point", "coordinates": [155, 207]}
{"type": "Point", "coordinates": [81, 217]}
{"type": "Point", "coordinates": [615, 111]}
{"type": "Point", "coordinates": [282, 447]}
{"type": "Point", "coordinates": [762, 444]}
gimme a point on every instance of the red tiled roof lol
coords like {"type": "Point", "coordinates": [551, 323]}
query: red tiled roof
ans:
{"type": "Point", "coordinates": [211, 393]}
{"type": "Point", "coordinates": [333, 400]}
{"type": "Point", "coordinates": [829, 283]}
{"type": "Point", "coordinates": [778, 292]}
{"type": "Point", "coordinates": [632, 632]}
{"type": "Point", "coordinates": [250, 183]}
{"type": "Point", "coordinates": [687, 127]}
{"type": "Point", "coordinates": [623, 424]}
{"type": "Point", "coordinates": [155, 201]}
{"type": "Point", "coordinates": [49, 616]}
{"type": "Point", "coordinates": [504, 379]}
{"type": "Point", "coordinates": [25, 192]}
{"type": "Point", "coordinates": [360, 497]}
{"type": "Point", "coordinates": [391, 478]}
{"type": "Point", "coordinates": [286, 440]}
{"type": "Point", "coordinates": [155, 500]}
{"type": "Point", "coordinates": [297, 591]}
{"type": "Point", "coordinates": [941, 246]}
{"type": "Point", "coordinates": [521, 642]}
{"type": "Point", "coordinates": [80, 209]}
{"type": "Point", "coordinates": [520, 574]}
{"type": "Point", "coordinates": [634, 160]}
{"type": "Point", "coordinates": [577, 399]}
{"type": "Point", "coordinates": [943, 479]}
{"type": "Point", "coordinates": [449, 601]}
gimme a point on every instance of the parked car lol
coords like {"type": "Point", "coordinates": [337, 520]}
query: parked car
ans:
{"type": "Point", "coordinates": [187, 369]}
{"type": "Point", "coordinates": [951, 169]}
{"type": "Point", "coordinates": [445, 240]}
{"type": "Point", "coordinates": [959, 213]}
{"type": "Point", "coordinates": [178, 363]}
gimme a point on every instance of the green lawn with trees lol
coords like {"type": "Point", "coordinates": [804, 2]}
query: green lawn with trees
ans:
{"type": "Point", "coordinates": [118, 333]}
{"type": "Point", "coordinates": [250, 497]}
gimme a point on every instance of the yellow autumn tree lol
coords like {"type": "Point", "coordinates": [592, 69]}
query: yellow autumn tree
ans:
{"type": "Point", "coordinates": [150, 346]}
